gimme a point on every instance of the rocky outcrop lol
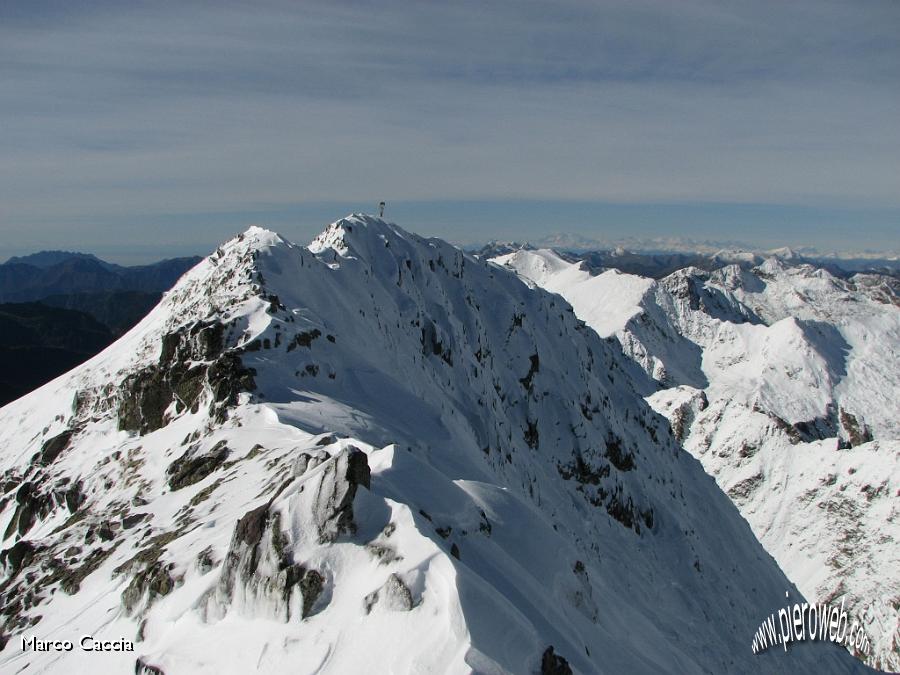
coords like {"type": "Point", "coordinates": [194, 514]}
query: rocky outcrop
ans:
{"type": "Point", "coordinates": [147, 586]}
{"type": "Point", "coordinates": [193, 360]}
{"type": "Point", "coordinates": [259, 576]}
{"type": "Point", "coordinates": [394, 595]}
{"type": "Point", "coordinates": [16, 557]}
{"type": "Point", "coordinates": [141, 667]}
{"type": "Point", "coordinates": [553, 664]}
{"type": "Point", "coordinates": [36, 500]}
{"type": "Point", "coordinates": [333, 501]}
{"type": "Point", "coordinates": [188, 469]}
{"type": "Point", "coordinates": [853, 430]}
{"type": "Point", "coordinates": [54, 446]}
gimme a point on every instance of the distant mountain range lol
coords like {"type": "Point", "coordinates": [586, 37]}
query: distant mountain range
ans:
{"type": "Point", "coordinates": [645, 260]}
{"type": "Point", "coordinates": [580, 243]}
{"type": "Point", "coordinates": [59, 308]}
{"type": "Point", "coordinates": [47, 273]}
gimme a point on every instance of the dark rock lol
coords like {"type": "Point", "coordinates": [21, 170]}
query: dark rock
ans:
{"type": "Point", "coordinates": [857, 432]}
{"type": "Point", "coordinates": [147, 586]}
{"type": "Point", "coordinates": [70, 580]}
{"type": "Point", "coordinates": [622, 460]}
{"type": "Point", "coordinates": [228, 377]}
{"type": "Point", "coordinates": [74, 497]}
{"type": "Point", "coordinates": [54, 446]}
{"type": "Point", "coordinates": [31, 504]}
{"type": "Point", "coordinates": [531, 435]}
{"type": "Point", "coordinates": [141, 667]}
{"type": "Point", "coordinates": [527, 381]}
{"type": "Point", "coordinates": [454, 551]}
{"type": "Point", "coordinates": [622, 509]}
{"type": "Point", "coordinates": [336, 490]}
{"type": "Point", "coordinates": [553, 664]}
{"type": "Point", "coordinates": [130, 521]}
{"type": "Point", "coordinates": [305, 339]}
{"type": "Point", "coordinates": [306, 461]}
{"type": "Point", "coordinates": [358, 471]}
{"type": "Point", "coordinates": [16, 557]}
{"type": "Point", "coordinates": [485, 525]}
{"type": "Point", "coordinates": [249, 530]}
{"type": "Point", "coordinates": [311, 585]}
{"type": "Point", "coordinates": [582, 472]}
{"type": "Point", "coordinates": [257, 536]}
{"type": "Point", "coordinates": [432, 345]}
{"type": "Point", "coordinates": [383, 553]}
{"type": "Point", "coordinates": [188, 470]}
{"type": "Point", "coordinates": [205, 561]}
{"type": "Point", "coordinates": [744, 488]}
{"type": "Point", "coordinates": [145, 395]}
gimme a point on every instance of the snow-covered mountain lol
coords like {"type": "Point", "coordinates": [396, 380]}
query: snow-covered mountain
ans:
{"type": "Point", "coordinates": [782, 379]}
{"type": "Point", "coordinates": [372, 454]}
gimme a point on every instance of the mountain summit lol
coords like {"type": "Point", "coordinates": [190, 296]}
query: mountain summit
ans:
{"type": "Point", "coordinates": [372, 454]}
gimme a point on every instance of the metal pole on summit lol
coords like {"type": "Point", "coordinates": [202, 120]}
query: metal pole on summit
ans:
{"type": "Point", "coordinates": [381, 210]}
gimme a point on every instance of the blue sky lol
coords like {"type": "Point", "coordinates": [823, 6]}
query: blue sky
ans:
{"type": "Point", "coordinates": [137, 130]}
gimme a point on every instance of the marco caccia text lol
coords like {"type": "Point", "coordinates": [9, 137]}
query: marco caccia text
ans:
{"type": "Point", "coordinates": [87, 643]}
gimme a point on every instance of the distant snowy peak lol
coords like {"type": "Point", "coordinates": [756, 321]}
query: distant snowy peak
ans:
{"type": "Point", "coordinates": [785, 253]}
{"type": "Point", "coordinates": [736, 256]}
{"type": "Point", "coordinates": [540, 265]}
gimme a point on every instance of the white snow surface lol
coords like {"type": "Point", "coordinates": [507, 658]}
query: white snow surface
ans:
{"type": "Point", "coordinates": [523, 494]}
{"type": "Point", "coordinates": [768, 375]}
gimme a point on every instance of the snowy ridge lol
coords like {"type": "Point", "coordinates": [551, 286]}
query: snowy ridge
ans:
{"type": "Point", "coordinates": [777, 378]}
{"type": "Point", "coordinates": [305, 454]}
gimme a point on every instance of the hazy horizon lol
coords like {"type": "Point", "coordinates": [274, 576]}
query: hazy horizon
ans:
{"type": "Point", "coordinates": [473, 228]}
{"type": "Point", "coordinates": [152, 129]}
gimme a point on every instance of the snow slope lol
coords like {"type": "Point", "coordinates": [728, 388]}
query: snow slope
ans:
{"type": "Point", "coordinates": [374, 454]}
{"type": "Point", "coordinates": [777, 378]}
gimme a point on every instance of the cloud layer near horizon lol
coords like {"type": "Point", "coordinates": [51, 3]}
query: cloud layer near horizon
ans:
{"type": "Point", "coordinates": [129, 110]}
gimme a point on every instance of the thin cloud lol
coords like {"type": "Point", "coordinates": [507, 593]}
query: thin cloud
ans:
{"type": "Point", "coordinates": [122, 111]}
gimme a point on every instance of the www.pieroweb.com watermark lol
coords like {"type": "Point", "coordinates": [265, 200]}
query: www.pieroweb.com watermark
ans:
{"type": "Point", "coordinates": [805, 621]}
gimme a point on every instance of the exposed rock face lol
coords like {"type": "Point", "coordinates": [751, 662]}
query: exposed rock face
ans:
{"type": "Point", "coordinates": [854, 430]}
{"type": "Point", "coordinates": [16, 557]}
{"type": "Point", "coordinates": [54, 446]}
{"type": "Point", "coordinates": [141, 667]}
{"type": "Point", "coordinates": [260, 575]}
{"type": "Point", "coordinates": [35, 500]}
{"type": "Point", "coordinates": [333, 502]}
{"type": "Point", "coordinates": [147, 586]}
{"type": "Point", "coordinates": [193, 360]}
{"type": "Point", "coordinates": [187, 469]}
{"type": "Point", "coordinates": [553, 664]}
{"type": "Point", "coordinates": [394, 595]}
